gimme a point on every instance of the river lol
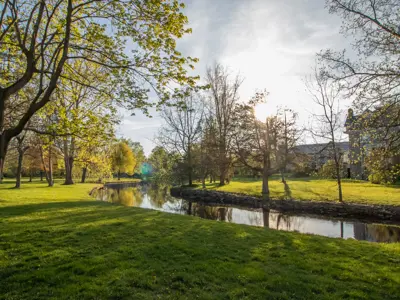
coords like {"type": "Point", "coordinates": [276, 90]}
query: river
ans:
{"type": "Point", "coordinates": [150, 197]}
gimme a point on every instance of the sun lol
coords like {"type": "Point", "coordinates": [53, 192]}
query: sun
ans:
{"type": "Point", "coordinates": [261, 111]}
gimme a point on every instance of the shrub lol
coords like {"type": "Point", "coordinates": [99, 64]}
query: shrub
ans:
{"type": "Point", "coordinates": [380, 167]}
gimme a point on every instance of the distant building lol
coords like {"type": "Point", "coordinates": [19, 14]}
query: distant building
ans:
{"type": "Point", "coordinates": [368, 131]}
{"type": "Point", "coordinates": [319, 154]}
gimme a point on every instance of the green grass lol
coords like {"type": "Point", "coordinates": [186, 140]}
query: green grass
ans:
{"type": "Point", "coordinates": [58, 243]}
{"type": "Point", "coordinates": [317, 190]}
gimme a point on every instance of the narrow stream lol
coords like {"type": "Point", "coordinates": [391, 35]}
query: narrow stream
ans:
{"type": "Point", "coordinates": [146, 196]}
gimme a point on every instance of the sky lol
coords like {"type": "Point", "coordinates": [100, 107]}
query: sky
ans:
{"type": "Point", "coordinates": [271, 43]}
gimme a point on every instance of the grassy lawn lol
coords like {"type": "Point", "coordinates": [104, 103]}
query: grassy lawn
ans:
{"type": "Point", "coordinates": [318, 190]}
{"type": "Point", "coordinates": [59, 243]}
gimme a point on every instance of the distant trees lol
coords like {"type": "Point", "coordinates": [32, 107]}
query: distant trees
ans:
{"type": "Point", "coordinates": [162, 165]}
{"type": "Point", "coordinates": [123, 160]}
{"type": "Point", "coordinates": [183, 129]}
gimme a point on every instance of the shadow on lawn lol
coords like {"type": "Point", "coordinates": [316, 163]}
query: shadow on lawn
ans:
{"type": "Point", "coordinates": [97, 248]}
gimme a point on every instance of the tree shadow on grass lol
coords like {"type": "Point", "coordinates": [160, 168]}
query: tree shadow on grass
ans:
{"type": "Point", "coordinates": [120, 252]}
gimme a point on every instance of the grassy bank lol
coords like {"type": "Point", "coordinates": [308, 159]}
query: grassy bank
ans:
{"type": "Point", "coordinates": [317, 190]}
{"type": "Point", "coordinates": [58, 243]}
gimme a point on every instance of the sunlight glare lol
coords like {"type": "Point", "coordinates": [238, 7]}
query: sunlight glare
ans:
{"type": "Point", "coordinates": [261, 111]}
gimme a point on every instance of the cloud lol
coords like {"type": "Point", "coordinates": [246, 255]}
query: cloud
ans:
{"type": "Point", "coordinates": [272, 43]}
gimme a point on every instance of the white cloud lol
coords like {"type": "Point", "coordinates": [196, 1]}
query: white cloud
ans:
{"type": "Point", "coordinates": [271, 43]}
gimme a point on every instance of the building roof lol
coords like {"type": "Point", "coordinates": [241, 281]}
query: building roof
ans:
{"type": "Point", "coordinates": [319, 148]}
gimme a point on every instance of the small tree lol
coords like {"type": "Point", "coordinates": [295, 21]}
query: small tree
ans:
{"type": "Point", "coordinates": [327, 122]}
{"type": "Point", "coordinates": [123, 160]}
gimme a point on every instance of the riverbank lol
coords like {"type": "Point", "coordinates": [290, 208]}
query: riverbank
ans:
{"type": "Point", "coordinates": [314, 189]}
{"type": "Point", "coordinates": [378, 213]}
{"type": "Point", "coordinates": [60, 243]}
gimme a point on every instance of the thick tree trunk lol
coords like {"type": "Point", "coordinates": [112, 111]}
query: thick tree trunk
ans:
{"type": "Point", "coordinates": [41, 175]}
{"type": "Point", "coordinates": [119, 175]}
{"type": "Point", "coordinates": [30, 175]}
{"type": "Point", "coordinates": [1, 170]}
{"type": "Point", "coordinates": [3, 151]}
{"type": "Point", "coordinates": [222, 179]}
{"type": "Point", "coordinates": [19, 169]}
{"type": "Point", "coordinates": [69, 163]}
{"type": "Point", "coordinates": [265, 190]}
{"type": "Point", "coordinates": [84, 171]}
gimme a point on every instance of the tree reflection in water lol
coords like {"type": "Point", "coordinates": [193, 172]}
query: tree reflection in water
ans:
{"type": "Point", "coordinates": [130, 196]}
{"type": "Point", "coordinates": [158, 197]}
{"type": "Point", "coordinates": [212, 212]}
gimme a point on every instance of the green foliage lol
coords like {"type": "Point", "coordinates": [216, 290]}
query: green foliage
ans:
{"type": "Point", "coordinates": [123, 160]}
{"type": "Point", "coordinates": [328, 170]}
{"type": "Point", "coordinates": [381, 168]}
{"type": "Point", "coordinates": [162, 164]}
{"type": "Point", "coordinates": [65, 245]}
{"type": "Point", "coordinates": [138, 152]}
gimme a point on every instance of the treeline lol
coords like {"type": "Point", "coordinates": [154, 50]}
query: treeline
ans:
{"type": "Point", "coordinates": [213, 132]}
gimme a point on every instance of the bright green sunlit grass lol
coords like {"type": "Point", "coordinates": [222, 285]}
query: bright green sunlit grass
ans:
{"type": "Point", "coordinates": [318, 190]}
{"type": "Point", "coordinates": [59, 243]}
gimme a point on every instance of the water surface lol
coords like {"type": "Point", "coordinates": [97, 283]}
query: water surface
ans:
{"type": "Point", "coordinates": [156, 198]}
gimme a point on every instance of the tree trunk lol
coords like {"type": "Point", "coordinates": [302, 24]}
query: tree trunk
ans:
{"type": "Point", "coordinates": [84, 170]}
{"type": "Point", "coordinates": [203, 182]}
{"type": "Point", "coordinates": [3, 151]}
{"type": "Point", "coordinates": [266, 167]}
{"type": "Point", "coordinates": [265, 190]}
{"type": "Point", "coordinates": [190, 167]}
{"type": "Point", "coordinates": [30, 175]}
{"type": "Point", "coordinates": [41, 175]}
{"type": "Point", "coordinates": [19, 169]}
{"type": "Point", "coordinates": [69, 163]}
{"type": "Point", "coordinates": [50, 175]}
{"type": "Point", "coordinates": [1, 170]}
{"type": "Point", "coordinates": [222, 179]}
{"type": "Point", "coordinates": [337, 167]}
{"type": "Point", "coordinates": [119, 175]}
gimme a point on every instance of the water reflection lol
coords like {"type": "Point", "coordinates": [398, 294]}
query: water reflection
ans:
{"type": "Point", "coordinates": [158, 198]}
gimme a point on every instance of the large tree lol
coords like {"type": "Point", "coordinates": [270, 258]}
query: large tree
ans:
{"type": "Point", "coordinates": [224, 95]}
{"type": "Point", "coordinates": [38, 38]}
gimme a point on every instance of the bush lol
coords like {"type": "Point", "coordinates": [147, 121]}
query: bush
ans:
{"type": "Point", "coordinates": [380, 167]}
{"type": "Point", "coordinates": [328, 170]}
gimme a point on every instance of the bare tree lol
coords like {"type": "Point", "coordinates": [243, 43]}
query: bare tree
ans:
{"type": "Point", "coordinates": [223, 98]}
{"type": "Point", "coordinates": [183, 129]}
{"type": "Point", "coordinates": [373, 79]}
{"type": "Point", "coordinates": [327, 125]}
